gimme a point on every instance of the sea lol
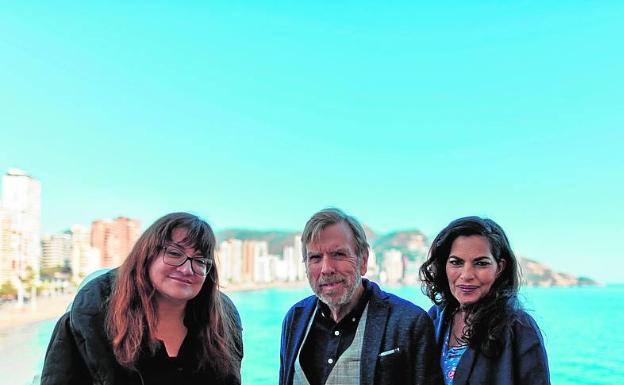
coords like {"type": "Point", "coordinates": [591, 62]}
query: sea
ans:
{"type": "Point", "coordinates": [581, 328]}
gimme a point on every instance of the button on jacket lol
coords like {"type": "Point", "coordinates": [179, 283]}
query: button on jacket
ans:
{"type": "Point", "coordinates": [399, 344]}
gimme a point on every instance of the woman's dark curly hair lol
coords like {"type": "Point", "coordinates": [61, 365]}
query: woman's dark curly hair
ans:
{"type": "Point", "coordinates": [487, 319]}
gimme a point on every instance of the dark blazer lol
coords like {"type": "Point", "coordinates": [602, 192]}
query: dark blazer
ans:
{"type": "Point", "coordinates": [522, 361]}
{"type": "Point", "coordinates": [392, 323]}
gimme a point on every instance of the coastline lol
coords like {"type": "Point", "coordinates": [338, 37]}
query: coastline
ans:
{"type": "Point", "coordinates": [51, 307]}
{"type": "Point", "coordinates": [43, 309]}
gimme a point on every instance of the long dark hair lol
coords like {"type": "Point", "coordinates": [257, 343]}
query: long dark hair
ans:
{"type": "Point", "coordinates": [486, 319]}
{"type": "Point", "coordinates": [131, 318]}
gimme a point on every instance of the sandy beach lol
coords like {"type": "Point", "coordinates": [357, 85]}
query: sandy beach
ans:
{"type": "Point", "coordinates": [45, 308]}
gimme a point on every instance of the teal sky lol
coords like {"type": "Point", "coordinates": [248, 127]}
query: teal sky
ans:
{"type": "Point", "coordinates": [406, 115]}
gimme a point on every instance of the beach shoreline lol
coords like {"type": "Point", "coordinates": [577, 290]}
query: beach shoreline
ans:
{"type": "Point", "coordinates": [12, 316]}
{"type": "Point", "coordinates": [50, 307]}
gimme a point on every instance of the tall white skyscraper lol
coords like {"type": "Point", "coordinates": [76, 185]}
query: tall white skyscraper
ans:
{"type": "Point", "coordinates": [259, 251]}
{"type": "Point", "coordinates": [21, 201]}
{"type": "Point", "coordinates": [292, 262]}
{"type": "Point", "coordinates": [230, 260]}
{"type": "Point", "coordinates": [85, 258]}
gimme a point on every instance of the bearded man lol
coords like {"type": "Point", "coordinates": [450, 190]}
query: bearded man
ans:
{"type": "Point", "coordinates": [351, 332]}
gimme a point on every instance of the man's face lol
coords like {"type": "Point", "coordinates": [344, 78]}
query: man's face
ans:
{"type": "Point", "coordinates": [332, 265]}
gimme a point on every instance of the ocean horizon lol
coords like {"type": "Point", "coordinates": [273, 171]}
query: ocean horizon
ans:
{"type": "Point", "coordinates": [577, 324]}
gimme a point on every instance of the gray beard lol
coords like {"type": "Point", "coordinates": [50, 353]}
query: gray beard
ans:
{"type": "Point", "coordinates": [346, 297]}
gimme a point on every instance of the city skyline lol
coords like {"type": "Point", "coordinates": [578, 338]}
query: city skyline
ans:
{"type": "Point", "coordinates": [98, 222]}
{"type": "Point", "coordinates": [404, 115]}
{"type": "Point", "coordinates": [82, 251]}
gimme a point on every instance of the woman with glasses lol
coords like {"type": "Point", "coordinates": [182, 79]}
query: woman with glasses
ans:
{"type": "Point", "coordinates": [483, 334]}
{"type": "Point", "coordinates": [158, 319]}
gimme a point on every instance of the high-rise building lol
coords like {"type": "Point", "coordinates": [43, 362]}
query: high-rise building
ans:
{"type": "Point", "coordinates": [229, 260]}
{"type": "Point", "coordinates": [7, 249]}
{"type": "Point", "coordinates": [222, 262]}
{"type": "Point", "coordinates": [253, 250]}
{"type": "Point", "coordinates": [393, 265]}
{"type": "Point", "coordinates": [103, 239]}
{"type": "Point", "coordinates": [21, 202]}
{"type": "Point", "coordinates": [279, 268]}
{"type": "Point", "coordinates": [85, 258]}
{"type": "Point", "coordinates": [301, 270]}
{"type": "Point", "coordinates": [127, 231]}
{"type": "Point", "coordinates": [268, 268]}
{"type": "Point", "coordinates": [114, 239]}
{"type": "Point", "coordinates": [291, 261]}
{"type": "Point", "coordinates": [55, 251]}
{"type": "Point", "coordinates": [248, 263]}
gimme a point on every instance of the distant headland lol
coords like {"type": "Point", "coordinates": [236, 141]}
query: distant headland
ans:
{"type": "Point", "coordinates": [397, 256]}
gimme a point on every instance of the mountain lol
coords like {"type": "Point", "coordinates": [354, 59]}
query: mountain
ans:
{"type": "Point", "coordinates": [276, 239]}
{"type": "Point", "coordinates": [413, 245]}
{"type": "Point", "coordinates": [537, 274]}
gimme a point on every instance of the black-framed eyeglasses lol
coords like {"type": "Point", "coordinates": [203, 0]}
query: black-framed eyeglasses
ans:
{"type": "Point", "coordinates": [174, 256]}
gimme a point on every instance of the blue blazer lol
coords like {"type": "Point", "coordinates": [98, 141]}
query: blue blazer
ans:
{"type": "Point", "coordinates": [392, 323]}
{"type": "Point", "coordinates": [522, 361]}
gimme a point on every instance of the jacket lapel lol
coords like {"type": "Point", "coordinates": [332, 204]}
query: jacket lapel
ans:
{"type": "Point", "coordinates": [438, 321]}
{"type": "Point", "coordinates": [373, 334]}
{"type": "Point", "coordinates": [300, 322]}
{"type": "Point", "coordinates": [464, 368]}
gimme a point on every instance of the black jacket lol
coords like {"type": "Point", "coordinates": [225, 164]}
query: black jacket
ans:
{"type": "Point", "coordinates": [522, 361]}
{"type": "Point", "coordinates": [80, 352]}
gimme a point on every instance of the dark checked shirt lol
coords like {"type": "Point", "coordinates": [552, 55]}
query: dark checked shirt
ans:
{"type": "Point", "coordinates": [327, 340]}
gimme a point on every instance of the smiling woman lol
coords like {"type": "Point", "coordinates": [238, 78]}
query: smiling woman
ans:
{"type": "Point", "coordinates": [483, 334]}
{"type": "Point", "coordinates": [155, 320]}
{"type": "Point", "coordinates": [471, 269]}
{"type": "Point", "coordinates": [176, 281]}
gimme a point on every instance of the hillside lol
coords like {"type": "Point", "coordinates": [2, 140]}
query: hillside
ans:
{"type": "Point", "coordinates": [537, 274]}
{"type": "Point", "coordinates": [277, 239]}
{"type": "Point", "coordinates": [414, 245]}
